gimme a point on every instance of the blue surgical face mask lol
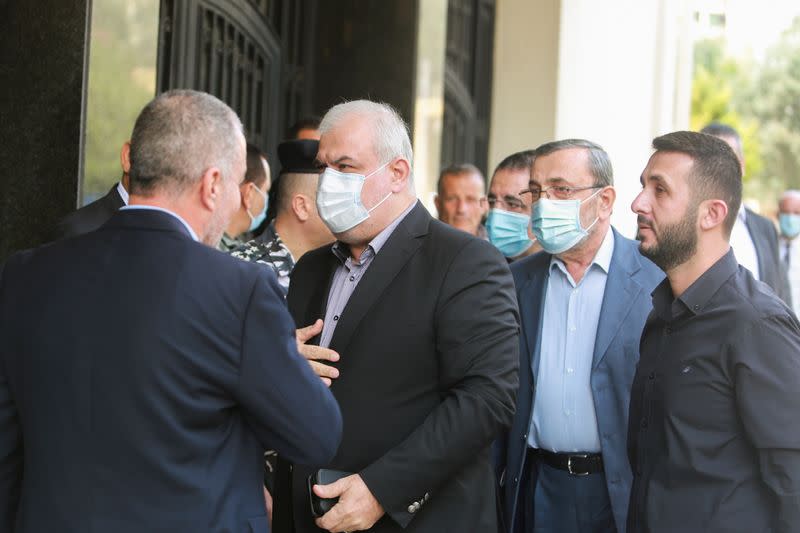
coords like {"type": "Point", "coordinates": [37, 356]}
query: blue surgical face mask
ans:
{"type": "Point", "coordinates": [790, 225]}
{"type": "Point", "coordinates": [557, 223]}
{"type": "Point", "coordinates": [508, 231]}
{"type": "Point", "coordinates": [256, 220]}
{"type": "Point", "coordinates": [339, 199]}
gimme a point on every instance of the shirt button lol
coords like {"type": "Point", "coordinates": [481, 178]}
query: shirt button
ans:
{"type": "Point", "coordinates": [336, 317]}
{"type": "Point", "coordinates": [352, 278]}
{"type": "Point", "coordinates": [516, 480]}
{"type": "Point", "coordinates": [652, 375]}
{"type": "Point", "coordinates": [696, 307]}
{"type": "Point", "coordinates": [524, 436]}
{"type": "Point", "coordinates": [570, 371]}
{"type": "Point", "coordinates": [668, 330]}
{"type": "Point", "coordinates": [644, 424]}
{"type": "Point", "coordinates": [567, 412]}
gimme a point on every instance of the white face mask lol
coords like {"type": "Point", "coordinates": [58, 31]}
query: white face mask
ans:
{"type": "Point", "coordinates": [339, 199]}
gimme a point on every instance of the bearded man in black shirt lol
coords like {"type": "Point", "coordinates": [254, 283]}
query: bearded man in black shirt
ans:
{"type": "Point", "coordinates": [713, 434]}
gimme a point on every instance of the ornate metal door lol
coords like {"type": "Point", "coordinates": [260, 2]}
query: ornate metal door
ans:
{"type": "Point", "coordinates": [468, 82]}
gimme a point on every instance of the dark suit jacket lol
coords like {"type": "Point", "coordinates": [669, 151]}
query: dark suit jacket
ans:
{"type": "Point", "coordinates": [428, 345]}
{"type": "Point", "coordinates": [771, 268]}
{"type": "Point", "coordinates": [142, 375]}
{"type": "Point", "coordinates": [626, 304]}
{"type": "Point", "coordinates": [91, 216]}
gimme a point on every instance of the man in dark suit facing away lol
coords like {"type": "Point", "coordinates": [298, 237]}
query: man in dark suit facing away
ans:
{"type": "Point", "coordinates": [140, 386]}
{"type": "Point", "coordinates": [424, 319]}
{"type": "Point", "coordinates": [92, 216]}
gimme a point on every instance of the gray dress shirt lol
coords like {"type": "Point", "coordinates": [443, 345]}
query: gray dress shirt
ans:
{"type": "Point", "coordinates": [349, 273]}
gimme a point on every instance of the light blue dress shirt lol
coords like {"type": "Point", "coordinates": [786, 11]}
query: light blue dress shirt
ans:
{"type": "Point", "coordinates": [564, 418]}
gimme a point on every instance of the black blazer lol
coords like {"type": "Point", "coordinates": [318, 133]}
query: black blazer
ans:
{"type": "Point", "coordinates": [142, 375]}
{"type": "Point", "coordinates": [771, 268]}
{"type": "Point", "coordinates": [429, 359]}
{"type": "Point", "coordinates": [91, 216]}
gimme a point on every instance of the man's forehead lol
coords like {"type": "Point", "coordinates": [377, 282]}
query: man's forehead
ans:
{"type": "Point", "coordinates": [463, 181]}
{"type": "Point", "coordinates": [670, 165]}
{"type": "Point", "coordinates": [510, 179]}
{"type": "Point", "coordinates": [567, 165]}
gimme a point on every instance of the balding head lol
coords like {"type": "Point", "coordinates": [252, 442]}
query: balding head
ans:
{"type": "Point", "coordinates": [178, 136]}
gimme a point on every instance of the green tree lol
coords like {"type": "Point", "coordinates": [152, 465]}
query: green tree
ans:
{"type": "Point", "coordinates": [775, 102]}
{"type": "Point", "coordinates": [717, 85]}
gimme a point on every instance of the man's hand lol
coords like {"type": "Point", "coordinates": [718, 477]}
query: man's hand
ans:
{"type": "Point", "coordinates": [268, 503]}
{"type": "Point", "coordinates": [356, 510]}
{"type": "Point", "coordinates": [314, 354]}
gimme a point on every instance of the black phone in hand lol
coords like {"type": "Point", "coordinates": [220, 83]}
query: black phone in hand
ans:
{"type": "Point", "coordinates": [323, 476]}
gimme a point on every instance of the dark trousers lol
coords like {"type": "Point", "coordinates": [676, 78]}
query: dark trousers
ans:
{"type": "Point", "coordinates": [565, 503]}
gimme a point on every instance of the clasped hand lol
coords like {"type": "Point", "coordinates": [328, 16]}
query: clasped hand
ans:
{"type": "Point", "coordinates": [315, 354]}
{"type": "Point", "coordinates": [356, 510]}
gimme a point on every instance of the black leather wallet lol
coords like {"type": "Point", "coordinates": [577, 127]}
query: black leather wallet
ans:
{"type": "Point", "coordinates": [323, 476]}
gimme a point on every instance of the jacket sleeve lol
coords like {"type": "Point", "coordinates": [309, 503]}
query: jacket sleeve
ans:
{"type": "Point", "coordinates": [11, 454]}
{"type": "Point", "coordinates": [477, 330]}
{"type": "Point", "coordinates": [286, 404]}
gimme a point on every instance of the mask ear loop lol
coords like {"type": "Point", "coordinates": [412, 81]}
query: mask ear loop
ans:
{"type": "Point", "coordinates": [374, 207]}
{"type": "Point", "coordinates": [579, 214]}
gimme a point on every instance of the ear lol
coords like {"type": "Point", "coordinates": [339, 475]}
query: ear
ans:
{"type": "Point", "coordinates": [246, 192]}
{"type": "Point", "coordinates": [438, 203]}
{"type": "Point", "coordinates": [401, 172]}
{"type": "Point", "coordinates": [712, 214]}
{"type": "Point", "coordinates": [301, 207]}
{"type": "Point", "coordinates": [211, 188]}
{"type": "Point", "coordinates": [608, 196]}
{"type": "Point", "coordinates": [125, 157]}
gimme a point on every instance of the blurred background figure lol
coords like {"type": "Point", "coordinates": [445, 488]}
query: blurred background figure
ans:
{"type": "Point", "coordinates": [297, 227]}
{"type": "Point", "coordinates": [509, 221]}
{"type": "Point", "coordinates": [789, 223]}
{"type": "Point", "coordinates": [305, 128]}
{"type": "Point", "coordinates": [92, 216]}
{"type": "Point", "coordinates": [254, 200]}
{"type": "Point", "coordinates": [461, 198]}
{"type": "Point", "coordinates": [753, 239]}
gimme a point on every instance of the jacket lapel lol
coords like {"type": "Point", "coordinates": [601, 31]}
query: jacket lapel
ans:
{"type": "Point", "coordinates": [390, 260]}
{"type": "Point", "coordinates": [621, 288]}
{"type": "Point", "coordinates": [531, 304]}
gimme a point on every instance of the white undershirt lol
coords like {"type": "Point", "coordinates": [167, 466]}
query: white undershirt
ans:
{"type": "Point", "coordinates": [742, 244]}
{"type": "Point", "coordinates": [123, 193]}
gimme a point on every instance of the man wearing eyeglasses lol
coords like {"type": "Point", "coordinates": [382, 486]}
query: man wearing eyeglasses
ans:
{"type": "Point", "coordinates": [509, 221]}
{"type": "Point", "coordinates": [583, 304]}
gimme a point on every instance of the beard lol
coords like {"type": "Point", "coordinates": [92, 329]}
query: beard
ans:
{"type": "Point", "coordinates": [675, 244]}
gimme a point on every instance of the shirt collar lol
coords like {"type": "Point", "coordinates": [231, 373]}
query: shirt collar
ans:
{"type": "Point", "coordinates": [602, 258]}
{"type": "Point", "coordinates": [341, 251]}
{"type": "Point", "coordinates": [696, 297]}
{"type": "Point", "coordinates": [123, 193]}
{"type": "Point", "coordinates": [167, 211]}
{"type": "Point", "coordinates": [742, 215]}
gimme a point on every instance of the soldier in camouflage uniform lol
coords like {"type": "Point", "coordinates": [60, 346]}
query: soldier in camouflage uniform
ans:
{"type": "Point", "coordinates": [268, 249]}
{"type": "Point", "coordinates": [297, 227]}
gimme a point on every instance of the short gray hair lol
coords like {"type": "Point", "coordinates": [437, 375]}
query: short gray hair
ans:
{"type": "Point", "coordinates": [178, 136]}
{"type": "Point", "coordinates": [390, 139]}
{"type": "Point", "coordinates": [599, 162]}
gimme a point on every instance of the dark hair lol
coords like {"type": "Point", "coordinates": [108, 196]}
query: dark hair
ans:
{"type": "Point", "coordinates": [255, 169]}
{"type": "Point", "coordinates": [303, 123]}
{"type": "Point", "coordinates": [457, 170]}
{"type": "Point", "coordinates": [599, 162]}
{"type": "Point", "coordinates": [717, 129]}
{"type": "Point", "coordinates": [178, 136]}
{"type": "Point", "coordinates": [715, 174]}
{"type": "Point", "coordinates": [517, 161]}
